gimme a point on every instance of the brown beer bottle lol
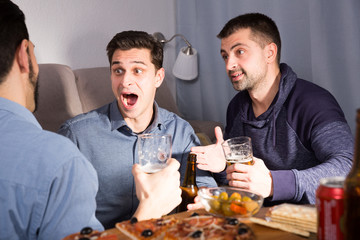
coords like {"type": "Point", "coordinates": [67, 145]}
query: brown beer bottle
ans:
{"type": "Point", "coordinates": [188, 187]}
{"type": "Point", "coordinates": [352, 191]}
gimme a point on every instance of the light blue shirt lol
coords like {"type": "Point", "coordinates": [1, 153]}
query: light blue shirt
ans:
{"type": "Point", "coordinates": [47, 187]}
{"type": "Point", "coordinates": [110, 145]}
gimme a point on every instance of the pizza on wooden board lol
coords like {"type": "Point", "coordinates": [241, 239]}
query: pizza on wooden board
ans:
{"type": "Point", "coordinates": [193, 227]}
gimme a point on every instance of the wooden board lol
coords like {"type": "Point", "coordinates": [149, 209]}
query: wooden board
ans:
{"type": "Point", "coordinates": [261, 232]}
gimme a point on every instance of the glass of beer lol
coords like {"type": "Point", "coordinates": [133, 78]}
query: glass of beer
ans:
{"type": "Point", "coordinates": [153, 151]}
{"type": "Point", "coordinates": [238, 150]}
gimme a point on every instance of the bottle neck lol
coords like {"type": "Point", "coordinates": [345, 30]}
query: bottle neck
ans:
{"type": "Point", "coordinates": [190, 174]}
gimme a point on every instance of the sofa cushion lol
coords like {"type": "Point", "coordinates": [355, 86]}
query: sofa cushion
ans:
{"type": "Point", "coordinates": [165, 98]}
{"type": "Point", "coordinates": [206, 127]}
{"type": "Point", "coordinates": [94, 87]}
{"type": "Point", "coordinates": [58, 96]}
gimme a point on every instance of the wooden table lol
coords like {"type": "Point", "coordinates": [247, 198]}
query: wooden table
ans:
{"type": "Point", "coordinates": [261, 232]}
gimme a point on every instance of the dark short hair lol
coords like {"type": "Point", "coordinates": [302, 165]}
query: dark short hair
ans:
{"type": "Point", "coordinates": [12, 31]}
{"type": "Point", "coordinates": [127, 40]}
{"type": "Point", "coordinates": [263, 28]}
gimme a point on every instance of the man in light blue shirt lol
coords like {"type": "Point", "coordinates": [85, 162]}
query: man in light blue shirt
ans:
{"type": "Point", "coordinates": [107, 136]}
{"type": "Point", "coordinates": [47, 187]}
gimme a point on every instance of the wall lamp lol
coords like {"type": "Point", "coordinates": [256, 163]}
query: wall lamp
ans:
{"type": "Point", "coordinates": [186, 64]}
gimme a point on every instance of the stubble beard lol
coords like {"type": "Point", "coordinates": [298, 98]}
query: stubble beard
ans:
{"type": "Point", "coordinates": [248, 82]}
{"type": "Point", "coordinates": [33, 79]}
{"type": "Point", "coordinates": [242, 84]}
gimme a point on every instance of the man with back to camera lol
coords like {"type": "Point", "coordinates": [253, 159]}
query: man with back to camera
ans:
{"type": "Point", "coordinates": [108, 135]}
{"type": "Point", "coordinates": [47, 187]}
{"type": "Point", "coordinates": [39, 199]}
{"type": "Point", "coordinates": [298, 130]}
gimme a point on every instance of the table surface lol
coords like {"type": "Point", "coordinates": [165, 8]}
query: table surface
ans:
{"type": "Point", "coordinates": [261, 232]}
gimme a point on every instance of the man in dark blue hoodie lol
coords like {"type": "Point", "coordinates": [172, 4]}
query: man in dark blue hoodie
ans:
{"type": "Point", "coordinates": [298, 130]}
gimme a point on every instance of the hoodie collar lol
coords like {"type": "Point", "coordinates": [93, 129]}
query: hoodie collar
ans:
{"type": "Point", "coordinates": [287, 82]}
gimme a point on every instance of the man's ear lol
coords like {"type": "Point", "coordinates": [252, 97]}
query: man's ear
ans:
{"type": "Point", "coordinates": [22, 56]}
{"type": "Point", "coordinates": [271, 51]}
{"type": "Point", "coordinates": [160, 74]}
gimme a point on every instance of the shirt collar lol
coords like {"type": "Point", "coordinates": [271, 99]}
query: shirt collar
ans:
{"type": "Point", "coordinates": [117, 120]}
{"type": "Point", "coordinates": [17, 109]}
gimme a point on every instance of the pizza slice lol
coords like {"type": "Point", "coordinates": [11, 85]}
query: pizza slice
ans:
{"type": "Point", "coordinates": [147, 229]}
{"type": "Point", "coordinates": [89, 233]}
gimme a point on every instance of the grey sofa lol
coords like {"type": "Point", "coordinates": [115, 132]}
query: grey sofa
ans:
{"type": "Point", "coordinates": [65, 93]}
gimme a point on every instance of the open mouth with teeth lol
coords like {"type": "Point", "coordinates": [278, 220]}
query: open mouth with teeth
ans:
{"type": "Point", "coordinates": [129, 100]}
{"type": "Point", "coordinates": [236, 77]}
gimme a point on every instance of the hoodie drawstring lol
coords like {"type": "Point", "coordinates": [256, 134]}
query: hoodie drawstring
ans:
{"type": "Point", "coordinates": [274, 130]}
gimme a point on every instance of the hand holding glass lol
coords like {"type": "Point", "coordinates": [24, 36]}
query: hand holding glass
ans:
{"type": "Point", "coordinates": [153, 151]}
{"type": "Point", "coordinates": [238, 150]}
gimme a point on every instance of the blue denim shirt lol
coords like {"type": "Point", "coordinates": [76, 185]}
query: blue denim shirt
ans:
{"type": "Point", "coordinates": [105, 139]}
{"type": "Point", "coordinates": [47, 187]}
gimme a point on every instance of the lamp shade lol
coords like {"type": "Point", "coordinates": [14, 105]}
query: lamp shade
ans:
{"type": "Point", "coordinates": [186, 65]}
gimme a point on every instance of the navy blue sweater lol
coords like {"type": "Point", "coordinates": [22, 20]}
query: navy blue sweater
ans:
{"type": "Point", "coordinates": [302, 137]}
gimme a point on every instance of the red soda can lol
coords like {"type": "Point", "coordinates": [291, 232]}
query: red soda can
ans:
{"type": "Point", "coordinates": [330, 208]}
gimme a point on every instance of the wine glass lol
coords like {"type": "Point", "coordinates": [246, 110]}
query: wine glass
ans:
{"type": "Point", "coordinates": [154, 150]}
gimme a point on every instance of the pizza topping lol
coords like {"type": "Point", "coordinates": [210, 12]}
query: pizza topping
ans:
{"type": "Point", "coordinates": [86, 231]}
{"type": "Point", "coordinates": [199, 221]}
{"type": "Point", "coordinates": [133, 220]}
{"type": "Point", "coordinates": [144, 225]}
{"type": "Point", "coordinates": [194, 214]}
{"type": "Point", "coordinates": [147, 233]}
{"type": "Point", "coordinates": [243, 229]}
{"type": "Point", "coordinates": [163, 222]}
{"type": "Point", "coordinates": [196, 234]}
{"type": "Point", "coordinates": [232, 221]}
